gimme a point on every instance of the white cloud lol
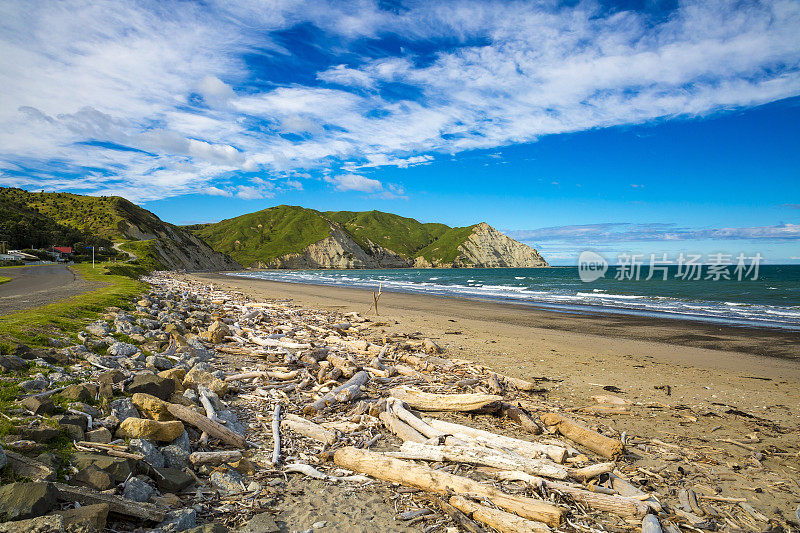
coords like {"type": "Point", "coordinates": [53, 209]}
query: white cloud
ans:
{"type": "Point", "coordinates": [216, 191]}
{"type": "Point", "coordinates": [247, 192]}
{"type": "Point", "coordinates": [355, 182]}
{"type": "Point", "coordinates": [121, 74]}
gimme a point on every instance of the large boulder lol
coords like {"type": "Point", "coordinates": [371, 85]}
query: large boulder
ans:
{"type": "Point", "coordinates": [39, 406]}
{"type": "Point", "coordinates": [82, 392]}
{"type": "Point", "coordinates": [94, 478]}
{"type": "Point", "coordinates": [88, 515]}
{"type": "Point", "coordinates": [153, 407]}
{"type": "Point", "coordinates": [118, 467]}
{"type": "Point", "coordinates": [122, 349]}
{"type": "Point", "coordinates": [216, 333]}
{"type": "Point", "coordinates": [143, 428]}
{"type": "Point", "coordinates": [197, 376]}
{"type": "Point", "coordinates": [26, 500]}
{"type": "Point", "coordinates": [146, 448]}
{"type": "Point", "coordinates": [123, 408]}
{"type": "Point", "coordinates": [12, 363]}
{"type": "Point", "coordinates": [41, 524]}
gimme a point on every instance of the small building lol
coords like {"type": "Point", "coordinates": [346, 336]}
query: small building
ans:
{"type": "Point", "coordinates": [62, 253]}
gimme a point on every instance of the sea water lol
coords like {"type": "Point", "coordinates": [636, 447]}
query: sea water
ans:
{"type": "Point", "coordinates": [772, 300]}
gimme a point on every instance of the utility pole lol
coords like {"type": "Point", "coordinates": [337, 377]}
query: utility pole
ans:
{"type": "Point", "coordinates": [92, 257]}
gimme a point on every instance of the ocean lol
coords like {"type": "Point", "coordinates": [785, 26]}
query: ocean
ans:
{"type": "Point", "coordinates": [772, 300]}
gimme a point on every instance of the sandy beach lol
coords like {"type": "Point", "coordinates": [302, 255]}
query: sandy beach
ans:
{"type": "Point", "coordinates": [694, 370]}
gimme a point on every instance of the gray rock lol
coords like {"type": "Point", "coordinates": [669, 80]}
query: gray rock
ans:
{"type": "Point", "coordinates": [122, 349]}
{"type": "Point", "coordinates": [39, 406]}
{"type": "Point", "coordinates": [159, 387]}
{"type": "Point", "coordinates": [108, 362]}
{"type": "Point", "coordinates": [175, 456]}
{"type": "Point", "coordinates": [12, 363]}
{"type": "Point", "coordinates": [172, 479]}
{"type": "Point", "coordinates": [191, 395]}
{"type": "Point", "coordinates": [151, 454]}
{"type": "Point", "coordinates": [117, 467]}
{"type": "Point", "coordinates": [95, 345]}
{"type": "Point", "coordinates": [35, 384]}
{"type": "Point", "coordinates": [183, 442]}
{"type": "Point", "coordinates": [19, 501]}
{"type": "Point", "coordinates": [93, 478]}
{"type": "Point", "coordinates": [179, 520]}
{"type": "Point", "coordinates": [208, 528]}
{"type": "Point", "coordinates": [99, 328]}
{"type": "Point", "coordinates": [159, 363]}
{"type": "Point", "coordinates": [231, 421]}
{"type": "Point", "coordinates": [137, 490]}
{"type": "Point", "coordinates": [261, 523]}
{"type": "Point", "coordinates": [124, 408]}
{"type": "Point", "coordinates": [85, 518]}
{"type": "Point", "coordinates": [228, 481]}
{"type": "Point", "coordinates": [3, 458]}
{"type": "Point", "coordinates": [41, 524]}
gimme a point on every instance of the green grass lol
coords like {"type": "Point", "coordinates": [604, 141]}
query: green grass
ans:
{"type": "Point", "coordinates": [271, 233]}
{"type": "Point", "coordinates": [145, 254]}
{"type": "Point", "coordinates": [4, 279]}
{"type": "Point", "coordinates": [34, 326]}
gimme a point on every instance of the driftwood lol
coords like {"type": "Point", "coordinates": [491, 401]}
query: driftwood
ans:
{"type": "Point", "coordinates": [619, 505]}
{"type": "Point", "coordinates": [478, 455]}
{"type": "Point", "coordinates": [625, 488]}
{"type": "Point", "coordinates": [343, 393]}
{"type": "Point", "coordinates": [396, 407]}
{"type": "Point", "coordinates": [426, 401]}
{"type": "Point", "coordinates": [29, 468]}
{"type": "Point", "coordinates": [276, 435]}
{"type": "Point", "coordinates": [203, 423]}
{"type": "Point", "coordinates": [215, 458]}
{"type": "Point", "coordinates": [205, 401]}
{"type": "Point", "coordinates": [342, 363]}
{"type": "Point", "coordinates": [110, 449]}
{"type": "Point", "coordinates": [650, 524]}
{"type": "Point", "coordinates": [425, 478]}
{"type": "Point", "coordinates": [308, 429]}
{"type": "Point", "coordinates": [457, 516]}
{"type": "Point", "coordinates": [272, 374]}
{"type": "Point", "coordinates": [117, 504]}
{"type": "Point", "coordinates": [500, 520]}
{"type": "Point", "coordinates": [600, 444]}
{"type": "Point", "coordinates": [400, 428]}
{"type": "Point", "coordinates": [493, 440]}
{"type": "Point", "coordinates": [520, 417]}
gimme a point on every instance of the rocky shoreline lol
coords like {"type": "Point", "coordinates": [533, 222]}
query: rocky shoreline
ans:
{"type": "Point", "coordinates": [203, 410]}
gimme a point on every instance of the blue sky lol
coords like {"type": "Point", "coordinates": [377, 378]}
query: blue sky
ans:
{"type": "Point", "coordinates": [644, 127]}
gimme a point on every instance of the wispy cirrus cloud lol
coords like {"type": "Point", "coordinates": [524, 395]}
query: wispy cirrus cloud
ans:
{"type": "Point", "coordinates": [616, 232]}
{"type": "Point", "coordinates": [152, 100]}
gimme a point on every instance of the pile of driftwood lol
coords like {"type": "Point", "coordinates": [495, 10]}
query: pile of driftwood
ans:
{"type": "Point", "coordinates": [340, 401]}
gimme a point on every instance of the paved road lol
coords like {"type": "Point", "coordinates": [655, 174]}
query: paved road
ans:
{"type": "Point", "coordinates": [37, 285]}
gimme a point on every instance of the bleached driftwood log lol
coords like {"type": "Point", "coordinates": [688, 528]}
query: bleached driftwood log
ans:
{"type": "Point", "coordinates": [215, 458]}
{"type": "Point", "coordinates": [205, 401]}
{"type": "Point", "coordinates": [500, 520]}
{"type": "Point", "coordinates": [600, 444]}
{"type": "Point", "coordinates": [400, 428]}
{"type": "Point", "coordinates": [203, 423]}
{"type": "Point", "coordinates": [276, 435]}
{"type": "Point", "coordinates": [478, 455]}
{"type": "Point", "coordinates": [619, 505]}
{"type": "Point", "coordinates": [426, 401]}
{"type": "Point", "coordinates": [520, 417]}
{"type": "Point", "coordinates": [308, 429]}
{"type": "Point", "coordinates": [396, 407]}
{"type": "Point", "coordinates": [272, 374]}
{"type": "Point", "coordinates": [342, 363]}
{"type": "Point", "coordinates": [117, 504]}
{"type": "Point", "coordinates": [279, 343]}
{"type": "Point", "coordinates": [493, 440]}
{"type": "Point", "coordinates": [650, 524]}
{"type": "Point", "coordinates": [425, 478]}
{"type": "Point", "coordinates": [625, 488]}
{"type": "Point", "coordinates": [344, 393]}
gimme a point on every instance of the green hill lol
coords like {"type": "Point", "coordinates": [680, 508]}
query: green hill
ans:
{"type": "Point", "coordinates": [61, 218]}
{"type": "Point", "coordinates": [296, 237]}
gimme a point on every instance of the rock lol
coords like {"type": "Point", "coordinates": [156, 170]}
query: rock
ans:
{"type": "Point", "coordinates": [70, 419]}
{"type": "Point", "coordinates": [175, 456]}
{"type": "Point", "coordinates": [151, 454]}
{"type": "Point", "coordinates": [183, 442]}
{"type": "Point", "coordinates": [22, 350]}
{"type": "Point", "coordinates": [40, 434]}
{"type": "Point", "coordinates": [179, 520]}
{"type": "Point", "coordinates": [101, 435]}
{"type": "Point", "coordinates": [85, 408]}
{"type": "Point", "coordinates": [35, 384]}
{"type": "Point", "coordinates": [231, 421]}
{"type": "Point", "coordinates": [49, 460]}
{"type": "Point", "coordinates": [124, 408]}
{"type": "Point", "coordinates": [41, 524]}
{"type": "Point", "coordinates": [158, 362]}
{"type": "Point", "coordinates": [168, 500]}
{"type": "Point", "coordinates": [92, 515]}
{"type": "Point", "coordinates": [39, 406]}
{"type": "Point", "coordinates": [111, 377]}
{"type": "Point", "coordinates": [217, 332]}
{"type": "Point", "coordinates": [228, 481]}
{"type": "Point", "coordinates": [157, 386]}
{"type": "Point", "coordinates": [151, 406]}
{"type": "Point", "coordinates": [137, 490]}
{"type": "Point", "coordinates": [261, 523]}
{"type": "Point", "coordinates": [74, 431]}
{"type": "Point", "coordinates": [122, 349]}
{"type": "Point", "coordinates": [430, 347]}
{"type": "Point", "coordinates": [82, 392]}
{"type": "Point", "coordinates": [118, 467]}
{"type": "Point", "coordinates": [3, 458]}
{"type": "Point", "coordinates": [105, 362]}
{"type": "Point", "coordinates": [319, 525]}
{"type": "Point", "coordinates": [95, 345]}
{"type": "Point", "coordinates": [172, 479]}
{"type": "Point", "coordinates": [254, 486]}
{"type": "Point", "coordinates": [94, 478]}
{"type": "Point", "coordinates": [143, 428]}
{"type": "Point", "coordinates": [174, 373]}
{"type": "Point", "coordinates": [26, 500]}
{"type": "Point", "coordinates": [198, 376]}
{"type": "Point", "coordinates": [12, 363]}
{"type": "Point", "coordinates": [99, 328]}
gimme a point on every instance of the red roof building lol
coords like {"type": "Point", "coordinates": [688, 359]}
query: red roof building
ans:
{"type": "Point", "coordinates": [63, 249]}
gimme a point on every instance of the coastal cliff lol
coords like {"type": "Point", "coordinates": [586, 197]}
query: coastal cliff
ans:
{"type": "Point", "coordinates": [299, 238]}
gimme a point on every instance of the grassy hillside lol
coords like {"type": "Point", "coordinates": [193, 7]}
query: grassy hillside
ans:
{"type": "Point", "coordinates": [266, 235]}
{"type": "Point", "coordinates": [445, 248]}
{"type": "Point", "coordinates": [400, 234]}
{"type": "Point", "coordinates": [23, 226]}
